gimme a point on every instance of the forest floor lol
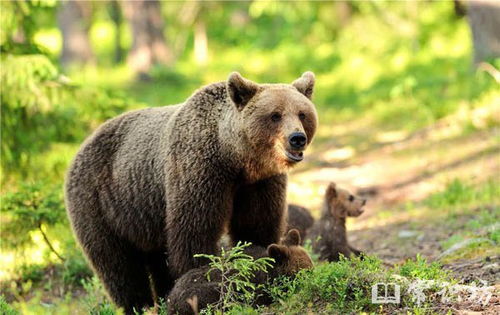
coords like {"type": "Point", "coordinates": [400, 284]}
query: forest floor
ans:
{"type": "Point", "coordinates": [417, 186]}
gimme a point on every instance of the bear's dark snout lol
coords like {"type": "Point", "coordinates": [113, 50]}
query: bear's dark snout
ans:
{"type": "Point", "coordinates": [297, 140]}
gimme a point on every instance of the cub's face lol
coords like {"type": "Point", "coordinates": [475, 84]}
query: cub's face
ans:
{"type": "Point", "coordinates": [278, 120]}
{"type": "Point", "coordinates": [342, 203]}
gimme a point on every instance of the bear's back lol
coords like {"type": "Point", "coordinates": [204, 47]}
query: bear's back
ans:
{"type": "Point", "coordinates": [120, 166]}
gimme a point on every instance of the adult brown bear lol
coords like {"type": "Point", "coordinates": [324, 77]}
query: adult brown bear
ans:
{"type": "Point", "coordinates": [164, 183]}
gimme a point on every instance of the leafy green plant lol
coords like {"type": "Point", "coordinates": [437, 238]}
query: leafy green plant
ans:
{"type": "Point", "coordinates": [421, 269]}
{"type": "Point", "coordinates": [75, 270]}
{"type": "Point", "coordinates": [33, 272]}
{"type": "Point", "coordinates": [344, 286]}
{"type": "Point", "coordinates": [41, 107]}
{"type": "Point", "coordinates": [236, 270]}
{"type": "Point", "coordinates": [96, 302]}
{"type": "Point", "coordinates": [5, 308]}
{"type": "Point", "coordinates": [33, 207]}
{"type": "Point", "coordinates": [283, 287]}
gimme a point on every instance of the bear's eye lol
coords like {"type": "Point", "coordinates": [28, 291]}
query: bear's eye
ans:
{"type": "Point", "coordinates": [276, 117]}
{"type": "Point", "coordinates": [302, 116]}
{"type": "Point", "coordinates": [351, 198]}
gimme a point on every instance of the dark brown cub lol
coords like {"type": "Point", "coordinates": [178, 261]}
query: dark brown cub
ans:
{"type": "Point", "coordinates": [299, 218]}
{"type": "Point", "coordinates": [289, 259]}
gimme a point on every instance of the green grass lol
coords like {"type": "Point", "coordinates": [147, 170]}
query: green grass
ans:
{"type": "Point", "coordinates": [472, 211]}
{"type": "Point", "coordinates": [421, 269]}
{"type": "Point", "coordinates": [345, 286]}
{"type": "Point", "coordinates": [459, 194]}
{"type": "Point", "coordinates": [5, 308]}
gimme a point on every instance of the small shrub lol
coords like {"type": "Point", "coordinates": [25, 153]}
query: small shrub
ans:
{"type": "Point", "coordinates": [421, 269]}
{"type": "Point", "coordinates": [236, 269]}
{"type": "Point", "coordinates": [75, 270]}
{"type": "Point", "coordinates": [96, 302]}
{"type": "Point", "coordinates": [343, 286]}
{"type": "Point", "coordinates": [30, 208]}
{"type": "Point", "coordinates": [34, 207]}
{"type": "Point", "coordinates": [494, 235]}
{"type": "Point", "coordinates": [282, 288]}
{"type": "Point", "coordinates": [162, 307]}
{"type": "Point", "coordinates": [33, 273]}
{"type": "Point", "coordinates": [5, 308]}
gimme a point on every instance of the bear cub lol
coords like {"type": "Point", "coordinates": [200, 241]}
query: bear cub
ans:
{"type": "Point", "coordinates": [193, 291]}
{"type": "Point", "coordinates": [329, 234]}
{"type": "Point", "coordinates": [299, 218]}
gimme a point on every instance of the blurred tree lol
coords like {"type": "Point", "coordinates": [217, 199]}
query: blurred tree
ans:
{"type": "Point", "coordinates": [193, 15]}
{"type": "Point", "coordinates": [19, 22]}
{"type": "Point", "coordinates": [459, 8]}
{"type": "Point", "coordinates": [116, 15]}
{"type": "Point", "coordinates": [200, 42]}
{"type": "Point", "coordinates": [74, 19]}
{"type": "Point", "coordinates": [149, 46]}
{"type": "Point", "coordinates": [344, 10]}
{"type": "Point", "coordinates": [484, 21]}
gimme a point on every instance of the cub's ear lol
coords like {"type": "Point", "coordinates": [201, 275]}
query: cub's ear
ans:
{"type": "Point", "coordinates": [240, 89]}
{"type": "Point", "coordinates": [305, 84]}
{"type": "Point", "coordinates": [292, 238]}
{"type": "Point", "coordinates": [331, 191]}
{"type": "Point", "coordinates": [278, 252]}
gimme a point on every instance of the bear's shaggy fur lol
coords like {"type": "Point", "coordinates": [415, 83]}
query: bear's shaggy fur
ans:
{"type": "Point", "coordinates": [153, 187]}
{"type": "Point", "coordinates": [299, 218]}
{"type": "Point", "coordinates": [328, 234]}
{"type": "Point", "coordinates": [194, 285]}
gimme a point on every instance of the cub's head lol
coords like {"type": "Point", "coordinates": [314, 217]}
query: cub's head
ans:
{"type": "Point", "coordinates": [290, 257]}
{"type": "Point", "coordinates": [278, 121]}
{"type": "Point", "coordinates": [341, 203]}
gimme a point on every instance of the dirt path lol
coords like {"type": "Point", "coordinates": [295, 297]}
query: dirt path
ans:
{"type": "Point", "coordinates": [392, 173]}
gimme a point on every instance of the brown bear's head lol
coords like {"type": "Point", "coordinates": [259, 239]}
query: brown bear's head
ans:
{"type": "Point", "coordinates": [290, 257]}
{"type": "Point", "coordinates": [278, 122]}
{"type": "Point", "coordinates": [342, 203]}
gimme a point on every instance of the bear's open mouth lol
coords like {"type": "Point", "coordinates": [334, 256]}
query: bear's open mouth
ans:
{"type": "Point", "coordinates": [294, 156]}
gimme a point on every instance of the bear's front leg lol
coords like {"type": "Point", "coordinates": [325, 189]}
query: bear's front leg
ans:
{"type": "Point", "coordinates": [197, 212]}
{"type": "Point", "coordinates": [259, 212]}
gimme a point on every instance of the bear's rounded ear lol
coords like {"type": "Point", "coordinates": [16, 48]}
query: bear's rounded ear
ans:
{"type": "Point", "coordinates": [277, 252]}
{"type": "Point", "coordinates": [305, 84]}
{"type": "Point", "coordinates": [292, 238]}
{"type": "Point", "coordinates": [331, 191]}
{"type": "Point", "coordinates": [240, 89]}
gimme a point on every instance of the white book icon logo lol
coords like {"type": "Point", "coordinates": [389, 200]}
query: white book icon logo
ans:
{"type": "Point", "coordinates": [384, 293]}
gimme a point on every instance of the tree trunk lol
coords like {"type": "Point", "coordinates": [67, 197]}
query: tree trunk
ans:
{"type": "Point", "coordinates": [459, 8]}
{"type": "Point", "coordinates": [484, 21]}
{"type": "Point", "coordinates": [148, 46]}
{"type": "Point", "coordinates": [74, 21]}
{"type": "Point", "coordinates": [115, 13]}
{"type": "Point", "coordinates": [344, 12]}
{"type": "Point", "coordinates": [200, 42]}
